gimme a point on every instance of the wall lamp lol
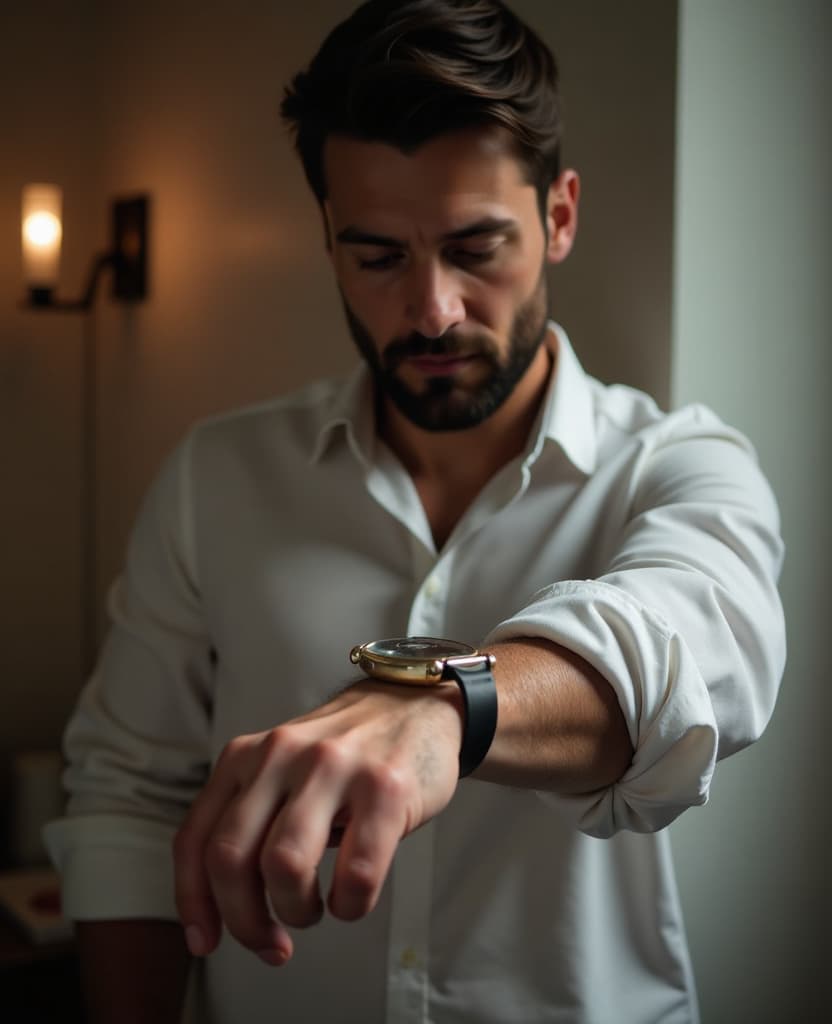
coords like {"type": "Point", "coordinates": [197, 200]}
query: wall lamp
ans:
{"type": "Point", "coordinates": [41, 231]}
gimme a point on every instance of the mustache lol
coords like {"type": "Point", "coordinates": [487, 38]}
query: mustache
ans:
{"type": "Point", "coordinates": [450, 344]}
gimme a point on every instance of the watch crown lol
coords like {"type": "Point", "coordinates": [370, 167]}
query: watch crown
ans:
{"type": "Point", "coordinates": [435, 671]}
{"type": "Point", "coordinates": [355, 654]}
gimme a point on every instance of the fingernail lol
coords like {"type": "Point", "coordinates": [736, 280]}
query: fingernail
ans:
{"type": "Point", "coordinates": [195, 938]}
{"type": "Point", "coordinates": [273, 957]}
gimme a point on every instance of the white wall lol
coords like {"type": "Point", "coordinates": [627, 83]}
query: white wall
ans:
{"type": "Point", "coordinates": [618, 71]}
{"type": "Point", "coordinates": [753, 335]}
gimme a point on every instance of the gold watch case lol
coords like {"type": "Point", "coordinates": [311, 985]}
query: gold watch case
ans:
{"type": "Point", "coordinates": [415, 660]}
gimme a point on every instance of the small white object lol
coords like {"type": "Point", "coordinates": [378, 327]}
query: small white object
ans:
{"type": "Point", "coordinates": [32, 900]}
{"type": "Point", "coordinates": [41, 232]}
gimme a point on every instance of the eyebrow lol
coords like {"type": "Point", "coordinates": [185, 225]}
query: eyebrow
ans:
{"type": "Point", "coordinates": [486, 226]}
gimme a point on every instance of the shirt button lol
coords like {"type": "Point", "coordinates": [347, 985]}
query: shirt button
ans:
{"type": "Point", "coordinates": [409, 958]}
{"type": "Point", "coordinates": [432, 587]}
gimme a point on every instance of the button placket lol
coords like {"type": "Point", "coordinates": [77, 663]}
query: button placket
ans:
{"type": "Point", "coordinates": [427, 613]}
{"type": "Point", "coordinates": [407, 966]}
{"type": "Point", "coordinates": [432, 587]}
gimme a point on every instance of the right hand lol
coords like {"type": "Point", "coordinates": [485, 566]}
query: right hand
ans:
{"type": "Point", "coordinates": [369, 767]}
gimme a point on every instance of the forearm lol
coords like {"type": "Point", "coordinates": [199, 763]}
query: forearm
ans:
{"type": "Point", "coordinates": [133, 972]}
{"type": "Point", "coordinates": [560, 727]}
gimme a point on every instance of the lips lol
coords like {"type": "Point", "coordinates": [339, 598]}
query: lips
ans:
{"type": "Point", "coordinates": [439, 366]}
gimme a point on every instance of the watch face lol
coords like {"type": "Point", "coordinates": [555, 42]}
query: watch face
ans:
{"type": "Point", "coordinates": [418, 648]}
{"type": "Point", "coordinates": [419, 660]}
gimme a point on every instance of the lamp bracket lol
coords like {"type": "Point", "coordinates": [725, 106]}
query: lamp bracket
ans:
{"type": "Point", "coordinates": [127, 257]}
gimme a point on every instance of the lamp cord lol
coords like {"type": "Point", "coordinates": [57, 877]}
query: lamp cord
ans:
{"type": "Point", "coordinates": [88, 495]}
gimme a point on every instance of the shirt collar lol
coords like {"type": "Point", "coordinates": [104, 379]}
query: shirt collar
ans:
{"type": "Point", "coordinates": [568, 414]}
{"type": "Point", "coordinates": [567, 417]}
{"type": "Point", "coordinates": [351, 410]}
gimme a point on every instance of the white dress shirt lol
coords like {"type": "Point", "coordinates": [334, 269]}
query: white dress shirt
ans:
{"type": "Point", "coordinates": [277, 537]}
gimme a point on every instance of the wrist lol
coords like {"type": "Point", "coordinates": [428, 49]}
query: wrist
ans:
{"type": "Point", "coordinates": [427, 663]}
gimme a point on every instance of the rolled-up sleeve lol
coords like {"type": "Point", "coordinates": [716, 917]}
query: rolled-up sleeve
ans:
{"type": "Point", "coordinates": [684, 622]}
{"type": "Point", "coordinates": [138, 745]}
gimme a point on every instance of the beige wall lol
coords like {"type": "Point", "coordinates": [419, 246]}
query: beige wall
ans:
{"type": "Point", "coordinates": [242, 306]}
{"type": "Point", "coordinates": [46, 132]}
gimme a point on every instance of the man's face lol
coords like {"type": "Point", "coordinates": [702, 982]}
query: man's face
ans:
{"type": "Point", "coordinates": [439, 256]}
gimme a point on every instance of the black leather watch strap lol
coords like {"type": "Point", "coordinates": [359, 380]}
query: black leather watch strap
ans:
{"type": "Point", "coordinates": [479, 695]}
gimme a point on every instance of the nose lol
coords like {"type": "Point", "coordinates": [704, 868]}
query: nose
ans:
{"type": "Point", "coordinates": [433, 302]}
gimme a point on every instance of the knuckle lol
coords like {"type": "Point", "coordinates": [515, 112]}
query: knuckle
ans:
{"type": "Point", "coordinates": [383, 783]}
{"type": "Point", "coordinates": [232, 750]}
{"type": "Point", "coordinates": [359, 888]}
{"type": "Point", "coordinates": [278, 742]}
{"type": "Point", "coordinates": [224, 859]}
{"type": "Point", "coordinates": [328, 755]}
{"type": "Point", "coordinates": [360, 876]}
{"type": "Point", "coordinates": [284, 861]}
{"type": "Point", "coordinates": [248, 751]}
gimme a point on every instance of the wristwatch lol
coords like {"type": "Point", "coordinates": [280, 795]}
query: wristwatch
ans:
{"type": "Point", "coordinates": [426, 661]}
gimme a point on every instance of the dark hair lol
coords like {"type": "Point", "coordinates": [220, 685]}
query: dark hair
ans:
{"type": "Point", "coordinates": [406, 71]}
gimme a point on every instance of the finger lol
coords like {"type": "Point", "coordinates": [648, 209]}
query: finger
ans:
{"type": "Point", "coordinates": [194, 897]}
{"type": "Point", "coordinates": [232, 856]}
{"type": "Point", "coordinates": [296, 842]}
{"type": "Point", "coordinates": [369, 842]}
{"type": "Point", "coordinates": [232, 859]}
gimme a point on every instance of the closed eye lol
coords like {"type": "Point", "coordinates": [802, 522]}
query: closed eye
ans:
{"type": "Point", "coordinates": [472, 255]}
{"type": "Point", "coordinates": [385, 262]}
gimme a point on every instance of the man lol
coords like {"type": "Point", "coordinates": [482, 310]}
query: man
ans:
{"type": "Point", "coordinates": [468, 483]}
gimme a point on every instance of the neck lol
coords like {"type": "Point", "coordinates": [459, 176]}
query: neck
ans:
{"type": "Point", "coordinates": [450, 468]}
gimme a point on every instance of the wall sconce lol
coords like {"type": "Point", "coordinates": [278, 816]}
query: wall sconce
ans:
{"type": "Point", "coordinates": [41, 232]}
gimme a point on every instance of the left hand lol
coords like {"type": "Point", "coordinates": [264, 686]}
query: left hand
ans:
{"type": "Point", "coordinates": [365, 769]}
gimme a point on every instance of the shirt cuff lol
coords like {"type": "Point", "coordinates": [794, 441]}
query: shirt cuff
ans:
{"type": "Point", "coordinates": [113, 867]}
{"type": "Point", "coordinates": [661, 692]}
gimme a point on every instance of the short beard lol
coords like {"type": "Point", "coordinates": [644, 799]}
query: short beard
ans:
{"type": "Point", "coordinates": [442, 405]}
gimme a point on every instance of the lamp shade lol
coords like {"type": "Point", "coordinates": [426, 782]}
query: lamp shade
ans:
{"type": "Point", "coordinates": [41, 235]}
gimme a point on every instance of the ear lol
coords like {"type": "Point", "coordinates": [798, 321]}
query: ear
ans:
{"type": "Point", "coordinates": [562, 215]}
